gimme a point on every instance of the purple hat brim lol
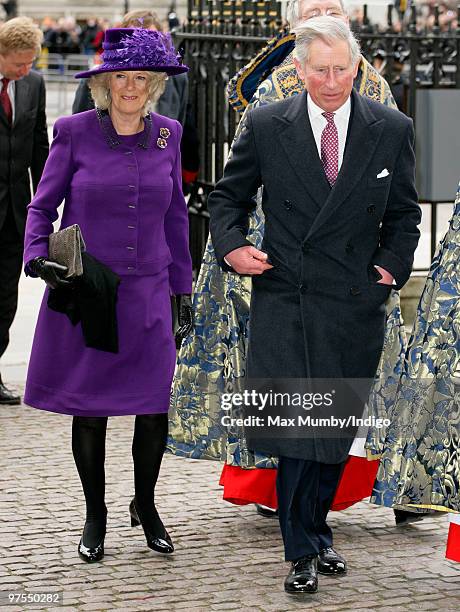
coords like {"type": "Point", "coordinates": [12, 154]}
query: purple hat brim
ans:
{"type": "Point", "coordinates": [170, 70]}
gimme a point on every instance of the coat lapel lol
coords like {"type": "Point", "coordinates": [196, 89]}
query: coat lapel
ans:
{"type": "Point", "coordinates": [2, 112]}
{"type": "Point", "coordinates": [3, 116]}
{"type": "Point", "coordinates": [20, 100]}
{"type": "Point", "coordinates": [296, 138]}
{"type": "Point", "coordinates": [364, 133]}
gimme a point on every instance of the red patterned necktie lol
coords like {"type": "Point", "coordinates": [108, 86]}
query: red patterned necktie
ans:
{"type": "Point", "coordinates": [330, 149]}
{"type": "Point", "coordinates": [5, 100]}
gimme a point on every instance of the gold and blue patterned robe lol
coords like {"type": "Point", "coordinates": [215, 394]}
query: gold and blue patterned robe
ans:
{"type": "Point", "coordinates": [420, 465]}
{"type": "Point", "coordinates": [212, 359]}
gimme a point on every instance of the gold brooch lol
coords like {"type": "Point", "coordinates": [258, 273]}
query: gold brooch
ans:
{"type": "Point", "coordinates": [164, 132]}
{"type": "Point", "coordinates": [161, 142]}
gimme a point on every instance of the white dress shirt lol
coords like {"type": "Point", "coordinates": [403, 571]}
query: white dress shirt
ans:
{"type": "Point", "coordinates": [11, 92]}
{"type": "Point", "coordinates": [318, 123]}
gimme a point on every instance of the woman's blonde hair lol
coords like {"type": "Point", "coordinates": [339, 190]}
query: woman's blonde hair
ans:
{"type": "Point", "coordinates": [100, 90]}
{"type": "Point", "coordinates": [20, 34]}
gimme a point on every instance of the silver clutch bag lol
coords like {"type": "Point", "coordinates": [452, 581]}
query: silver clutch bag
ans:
{"type": "Point", "coordinates": [66, 247]}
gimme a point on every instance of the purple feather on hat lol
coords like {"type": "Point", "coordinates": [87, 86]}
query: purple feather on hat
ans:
{"type": "Point", "coordinates": [145, 47]}
{"type": "Point", "coordinates": [138, 49]}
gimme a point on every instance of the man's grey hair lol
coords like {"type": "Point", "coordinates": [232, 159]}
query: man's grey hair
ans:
{"type": "Point", "coordinates": [293, 11]}
{"type": "Point", "coordinates": [327, 29]}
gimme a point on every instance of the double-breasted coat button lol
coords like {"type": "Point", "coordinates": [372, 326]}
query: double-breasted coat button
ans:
{"type": "Point", "coordinates": [371, 209]}
{"type": "Point", "coordinates": [130, 248]}
{"type": "Point", "coordinates": [287, 204]}
{"type": "Point", "coordinates": [303, 289]}
{"type": "Point", "coordinates": [355, 290]}
{"type": "Point", "coordinates": [349, 248]}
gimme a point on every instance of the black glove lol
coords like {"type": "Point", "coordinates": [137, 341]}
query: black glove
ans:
{"type": "Point", "coordinates": [49, 271]}
{"type": "Point", "coordinates": [184, 317]}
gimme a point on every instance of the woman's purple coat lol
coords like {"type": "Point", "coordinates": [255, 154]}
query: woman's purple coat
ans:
{"type": "Point", "coordinates": [125, 194]}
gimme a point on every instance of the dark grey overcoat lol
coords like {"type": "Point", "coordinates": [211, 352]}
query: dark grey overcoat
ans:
{"type": "Point", "coordinates": [319, 313]}
{"type": "Point", "coordinates": [23, 147]}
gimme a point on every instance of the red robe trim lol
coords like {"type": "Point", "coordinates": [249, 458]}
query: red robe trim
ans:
{"type": "Point", "coordinates": [258, 486]}
{"type": "Point", "coordinates": [453, 543]}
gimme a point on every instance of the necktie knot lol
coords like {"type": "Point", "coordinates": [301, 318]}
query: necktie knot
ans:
{"type": "Point", "coordinates": [5, 82]}
{"type": "Point", "coordinates": [329, 117]}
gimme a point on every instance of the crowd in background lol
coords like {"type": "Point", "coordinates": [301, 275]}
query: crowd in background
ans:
{"type": "Point", "coordinates": [66, 35]}
{"type": "Point", "coordinates": [425, 15]}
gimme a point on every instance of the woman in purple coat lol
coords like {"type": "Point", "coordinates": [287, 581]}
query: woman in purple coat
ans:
{"type": "Point", "coordinates": [118, 170]}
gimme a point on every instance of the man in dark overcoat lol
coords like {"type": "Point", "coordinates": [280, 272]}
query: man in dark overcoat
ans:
{"type": "Point", "coordinates": [24, 148]}
{"type": "Point", "coordinates": [341, 218]}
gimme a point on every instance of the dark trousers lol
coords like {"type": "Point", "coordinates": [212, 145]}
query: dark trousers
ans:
{"type": "Point", "coordinates": [11, 251]}
{"type": "Point", "coordinates": [305, 493]}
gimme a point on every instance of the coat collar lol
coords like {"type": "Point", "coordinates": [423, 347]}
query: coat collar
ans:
{"type": "Point", "coordinates": [21, 99]}
{"type": "Point", "coordinates": [111, 135]}
{"type": "Point", "coordinates": [21, 96]}
{"type": "Point", "coordinates": [296, 138]}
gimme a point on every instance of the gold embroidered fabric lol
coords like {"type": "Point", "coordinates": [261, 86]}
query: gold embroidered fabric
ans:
{"type": "Point", "coordinates": [420, 464]}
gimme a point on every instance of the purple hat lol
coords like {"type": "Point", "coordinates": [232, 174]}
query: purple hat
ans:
{"type": "Point", "coordinates": [137, 49]}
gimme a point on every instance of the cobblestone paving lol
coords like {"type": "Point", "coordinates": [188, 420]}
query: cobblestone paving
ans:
{"type": "Point", "coordinates": [227, 558]}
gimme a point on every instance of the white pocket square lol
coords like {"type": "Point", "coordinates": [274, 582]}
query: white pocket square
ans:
{"type": "Point", "coordinates": [383, 174]}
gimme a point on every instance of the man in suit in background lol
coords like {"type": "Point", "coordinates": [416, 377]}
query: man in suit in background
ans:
{"type": "Point", "coordinates": [24, 147]}
{"type": "Point", "coordinates": [341, 217]}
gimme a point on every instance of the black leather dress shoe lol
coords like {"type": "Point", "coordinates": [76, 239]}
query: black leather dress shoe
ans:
{"type": "Point", "coordinates": [331, 563]}
{"type": "Point", "coordinates": [159, 543]}
{"type": "Point", "coordinates": [7, 397]}
{"type": "Point", "coordinates": [303, 577]}
{"type": "Point", "coordinates": [266, 512]}
{"type": "Point", "coordinates": [90, 555]}
{"type": "Point", "coordinates": [402, 517]}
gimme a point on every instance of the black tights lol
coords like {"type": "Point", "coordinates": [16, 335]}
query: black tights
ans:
{"type": "Point", "coordinates": [88, 447]}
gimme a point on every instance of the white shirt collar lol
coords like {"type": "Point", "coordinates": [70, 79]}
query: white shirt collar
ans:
{"type": "Point", "coordinates": [11, 80]}
{"type": "Point", "coordinates": [341, 114]}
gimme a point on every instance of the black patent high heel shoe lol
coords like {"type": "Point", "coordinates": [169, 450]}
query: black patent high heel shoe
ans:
{"type": "Point", "coordinates": [91, 554]}
{"type": "Point", "coordinates": [159, 544]}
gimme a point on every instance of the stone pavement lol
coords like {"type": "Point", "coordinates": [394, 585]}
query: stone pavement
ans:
{"type": "Point", "coordinates": [227, 558]}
